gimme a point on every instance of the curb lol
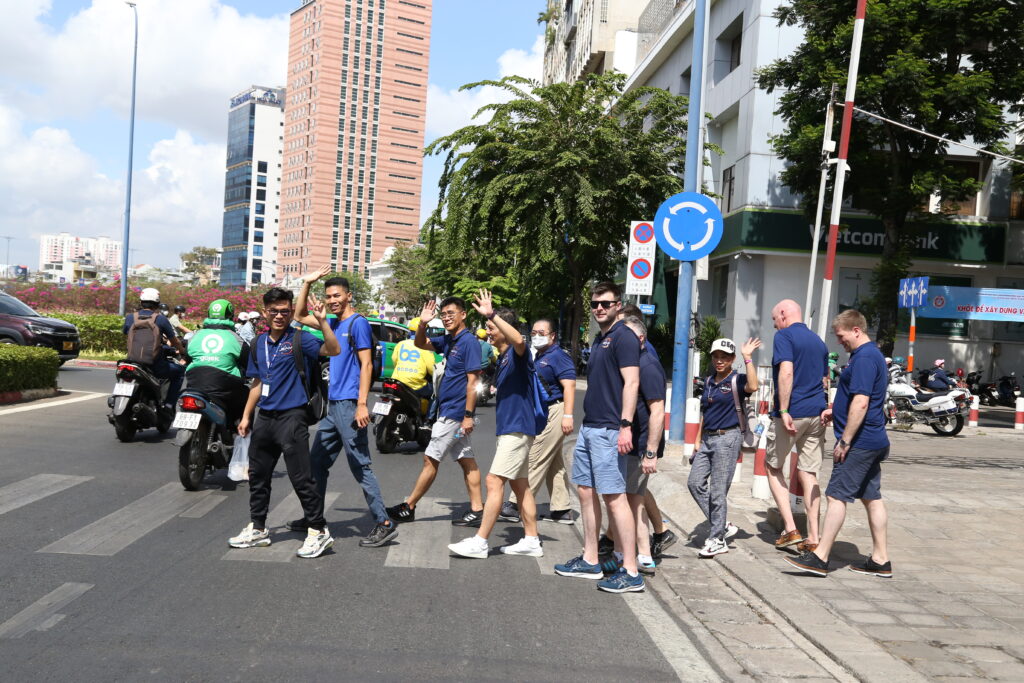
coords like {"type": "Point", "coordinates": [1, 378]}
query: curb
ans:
{"type": "Point", "coordinates": [93, 363]}
{"type": "Point", "coordinates": [9, 397]}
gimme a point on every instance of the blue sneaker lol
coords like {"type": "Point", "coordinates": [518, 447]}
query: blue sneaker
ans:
{"type": "Point", "coordinates": [622, 582]}
{"type": "Point", "coordinates": [579, 567]}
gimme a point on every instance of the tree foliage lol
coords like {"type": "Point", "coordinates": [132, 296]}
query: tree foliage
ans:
{"type": "Point", "coordinates": [543, 192]}
{"type": "Point", "coordinates": [954, 68]}
{"type": "Point", "coordinates": [199, 263]}
{"type": "Point", "coordinates": [410, 282]}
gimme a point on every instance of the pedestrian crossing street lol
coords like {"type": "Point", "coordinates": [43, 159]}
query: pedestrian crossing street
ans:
{"type": "Point", "coordinates": [420, 545]}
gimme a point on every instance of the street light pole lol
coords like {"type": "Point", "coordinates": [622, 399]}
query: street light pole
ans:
{"type": "Point", "coordinates": [7, 262]}
{"type": "Point", "coordinates": [128, 189]}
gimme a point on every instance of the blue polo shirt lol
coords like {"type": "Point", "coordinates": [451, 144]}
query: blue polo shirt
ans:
{"type": "Point", "coordinates": [809, 356]}
{"type": "Point", "coordinates": [618, 348]}
{"type": "Point", "coordinates": [462, 353]}
{"type": "Point", "coordinates": [272, 362]}
{"type": "Point", "coordinates": [162, 323]}
{"type": "Point", "coordinates": [553, 365]}
{"type": "Point", "coordinates": [513, 379]}
{"type": "Point", "coordinates": [652, 388]}
{"type": "Point", "coordinates": [717, 405]}
{"type": "Point", "coordinates": [938, 380]}
{"type": "Point", "coordinates": [865, 374]}
{"type": "Point", "coordinates": [345, 368]}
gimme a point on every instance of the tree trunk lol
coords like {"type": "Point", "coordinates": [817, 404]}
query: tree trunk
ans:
{"type": "Point", "coordinates": [891, 268]}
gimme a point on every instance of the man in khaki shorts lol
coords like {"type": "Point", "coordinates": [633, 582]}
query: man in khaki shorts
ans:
{"type": "Point", "coordinates": [520, 416]}
{"type": "Point", "coordinates": [800, 372]}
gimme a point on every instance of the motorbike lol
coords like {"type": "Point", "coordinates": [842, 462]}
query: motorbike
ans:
{"type": "Point", "coordinates": [137, 401]}
{"type": "Point", "coordinates": [205, 438]}
{"type": "Point", "coordinates": [698, 387]}
{"type": "Point", "coordinates": [485, 386]}
{"type": "Point", "coordinates": [943, 411]}
{"type": "Point", "coordinates": [973, 382]}
{"type": "Point", "coordinates": [1008, 390]}
{"type": "Point", "coordinates": [399, 415]}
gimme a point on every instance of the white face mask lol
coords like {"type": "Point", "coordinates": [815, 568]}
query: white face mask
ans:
{"type": "Point", "coordinates": [539, 342]}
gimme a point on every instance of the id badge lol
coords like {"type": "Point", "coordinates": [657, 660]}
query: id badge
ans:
{"type": "Point", "coordinates": [265, 390]}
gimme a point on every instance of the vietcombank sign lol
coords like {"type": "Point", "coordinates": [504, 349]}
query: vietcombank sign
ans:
{"type": "Point", "coordinates": [787, 231]}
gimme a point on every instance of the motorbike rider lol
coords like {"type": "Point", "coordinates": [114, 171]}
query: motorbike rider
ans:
{"type": "Point", "coordinates": [896, 369]}
{"type": "Point", "coordinates": [162, 367]}
{"type": "Point", "coordinates": [219, 357]}
{"type": "Point", "coordinates": [938, 380]}
{"type": "Point", "coordinates": [175, 320]}
{"type": "Point", "coordinates": [833, 367]}
{"type": "Point", "coordinates": [413, 367]}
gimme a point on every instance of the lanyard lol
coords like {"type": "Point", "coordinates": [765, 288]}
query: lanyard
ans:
{"type": "Point", "coordinates": [266, 352]}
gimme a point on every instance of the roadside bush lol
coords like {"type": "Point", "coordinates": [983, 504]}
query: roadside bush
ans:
{"type": "Point", "coordinates": [48, 298]}
{"type": "Point", "coordinates": [24, 367]}
{"type": "Point", "coordinates": [99, 332]}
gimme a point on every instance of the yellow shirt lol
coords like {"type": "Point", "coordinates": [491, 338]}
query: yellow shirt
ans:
{"type": "Point", "coordinates": [412, 365]}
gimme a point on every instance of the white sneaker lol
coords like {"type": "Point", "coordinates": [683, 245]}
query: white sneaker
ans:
{"type": "Point", "coordinates": [731, 529]}
{"type": "Point", "coordinates": [529, 545]}
{"type": "Point", "coordinates": [250, 538]}
{"type": "Point", "coordinates": [712, 547]}
{"type": "Point", "coordinates": [474, 547]}
{"type": "Point", "coordinates": [315, 544]}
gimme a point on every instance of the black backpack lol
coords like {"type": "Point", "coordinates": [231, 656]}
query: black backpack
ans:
{"type": "Point", "coordinates": [316, 395]}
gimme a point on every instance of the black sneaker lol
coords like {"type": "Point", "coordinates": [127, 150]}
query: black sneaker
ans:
{"type": "Point", "coordinates": [559, 517]}
{"type": "Point", "coordinates": [872, 568]}
{"type": "Point", "coordinates": [381, 534]}
{"type": "Point", "coordinates": [662, 542]}
{"type": "Point", "coordinates": [605, 545]}
{"type": "Point", "coordinates": [401, 512]}
{"type": "Point", "coordinates": [609, 564]}
{"type": "Point", "coordinates": [810, 563]}
{"type": "Point", "coordinates": [298, 525]}
{"type": "Point", "coordinates": [470, 519]}
{"type": "Point", "coordinates": [509, 512]}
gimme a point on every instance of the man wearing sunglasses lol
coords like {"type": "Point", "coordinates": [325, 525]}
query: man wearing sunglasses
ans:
{"type": "Point", "coordinates": [599, 465]}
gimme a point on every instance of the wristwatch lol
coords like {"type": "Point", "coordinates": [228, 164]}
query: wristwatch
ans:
{"type": "Point", "coordinates": [649, 455]}
{"type": "Point", "coordinates": [469, 413]}
{"type": "Point", "coordinates": [843, 444]}
{"type": "Point", "coordinates": [625, 423]}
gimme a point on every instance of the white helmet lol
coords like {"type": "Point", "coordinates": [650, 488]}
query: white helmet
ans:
{"type": "Point", "coordinates": [150, 294]}
{"type": "Point", "coordinates": [253, 314]}
{"type": "Point", "coordinates": [243, 316]}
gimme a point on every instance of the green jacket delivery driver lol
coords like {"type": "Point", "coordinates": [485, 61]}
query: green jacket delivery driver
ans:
{"type": "Point", "coordinates": [218, 358]}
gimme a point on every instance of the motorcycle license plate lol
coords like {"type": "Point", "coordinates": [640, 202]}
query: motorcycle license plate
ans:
{"type": "Point", "coordinates": [187, 420]}
{"type": "Point", "coordinates": [124, 388]}
{"type": "Point", "coordinates": [382, 408]}
{"type": "Point", "coordinates": [68, 346]}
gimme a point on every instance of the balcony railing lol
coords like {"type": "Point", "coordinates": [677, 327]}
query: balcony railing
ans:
{"type": "Point", "coordinates": [653, 20]}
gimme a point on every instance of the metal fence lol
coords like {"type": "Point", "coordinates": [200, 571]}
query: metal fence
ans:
{"type": "Point", "coordinates": [653, 20]}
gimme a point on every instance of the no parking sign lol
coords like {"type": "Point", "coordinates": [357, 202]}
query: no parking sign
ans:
{"type": "Point", "coordinates": [640, 263]}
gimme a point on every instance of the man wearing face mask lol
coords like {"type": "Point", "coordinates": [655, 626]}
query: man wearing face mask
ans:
{"type": "Point", "coordinates": [558, 384]}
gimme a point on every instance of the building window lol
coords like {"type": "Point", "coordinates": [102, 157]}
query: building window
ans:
{"type": "Point", "coordinates": [720, 292]}
{"type": "Point", "coordinates": [261, 208]}
{"type": "Point", "coordinates": [261, 166]}
{"type": "Point", "coordinates": [261, 181]}
{"type": "Point", "coordinates": [261, 195]}
{"type": "Point", "coordinates": [728, 46]}
{"type": "Point", "coordinates": [728, 183]}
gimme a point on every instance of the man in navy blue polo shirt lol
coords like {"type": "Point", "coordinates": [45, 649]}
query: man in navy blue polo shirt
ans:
{"type": "Point", "coordinates": [599, 468]}
{"type": "Point", "coordinates": [558, 383]}
{"type": "Point", "coordinates": [456, 405]}
{"type": "Point", "coordinates": [858, 418]}
{"type": "Point", "coordinates": [800, 373]}
{"type": "Point", "coordinates": [281, 425]}
{"type": "Point", "coordinates": [345, 426]}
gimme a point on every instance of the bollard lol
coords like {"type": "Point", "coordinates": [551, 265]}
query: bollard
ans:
{"type": "Point", "coordinates": [759, 484]}
{"type": "Point", "coordinates": [831, 396]}
{"type": "Point", "coordinates": [668, 402]}
{"type": "Point", "coordinates": [692, 425]}
{"type": "Point", "coordinates": [972, 419]}
{"type": "Point", "coordinates": [1018, 418]}
{"type": "Point", "coordinates": [796, 490]}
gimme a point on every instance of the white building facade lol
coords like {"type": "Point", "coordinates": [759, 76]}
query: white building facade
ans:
{"type": "Point", "coordinates": [58, 248]}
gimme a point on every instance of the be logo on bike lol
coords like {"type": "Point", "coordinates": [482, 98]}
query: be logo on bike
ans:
{"type": "Point", "coordinates": [409, 355]}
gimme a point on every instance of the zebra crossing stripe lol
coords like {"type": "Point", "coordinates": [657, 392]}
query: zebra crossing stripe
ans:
{"type": "Point", "coordinates": [424, 543]}
{"type": "Point", "coordinates": [37, 487]}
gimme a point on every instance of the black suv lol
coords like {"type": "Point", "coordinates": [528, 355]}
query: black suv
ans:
{"type": "Point", "coordinates": [19, 324]}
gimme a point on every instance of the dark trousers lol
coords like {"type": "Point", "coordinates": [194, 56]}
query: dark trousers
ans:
{"type": "Point", "coordinates": [274, 433]}
{"type": "Point", "coordinates": [173, 373]}
{"type": "Point", "coordinates": [224, 389]}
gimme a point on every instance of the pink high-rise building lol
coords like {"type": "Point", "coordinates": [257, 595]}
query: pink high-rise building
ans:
{"type": "Point", "coordinates": [354, 122]}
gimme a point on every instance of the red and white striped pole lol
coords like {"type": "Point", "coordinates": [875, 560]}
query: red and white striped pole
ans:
{"type": "Point", "coordinates": [841, 167]}
{"type": "Point", "coordinates": [911, 337]}
{"type": "Point", "coordinates": [972, 419]}
{"type": "Point", "coordinates": [692, 426]}
{"type": "Point", "coordinates": [1018, 418]}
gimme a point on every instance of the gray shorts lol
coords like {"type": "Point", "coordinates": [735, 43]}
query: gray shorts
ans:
{"type": "Point", "coordinates": [444, 442]}
{"type": "Point", "coordinates": [636, 480]}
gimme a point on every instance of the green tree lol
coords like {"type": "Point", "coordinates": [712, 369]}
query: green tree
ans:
{"type": "Point", "coordinates": [954, 68]}
{"type": "Point", "coordinates": [544, 191]}
{"type": "Point", "coordinates": [410, 283]}
{"type": "Point", "coordinates": [199, 263]}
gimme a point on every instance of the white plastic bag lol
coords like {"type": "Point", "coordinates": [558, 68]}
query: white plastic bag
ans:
{"type": "Point", "coordinates": [238, 468]}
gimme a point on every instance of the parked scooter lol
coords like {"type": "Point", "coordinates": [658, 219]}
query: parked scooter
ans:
{"type": "Point", "coordinates": [399, 416]}
{"type": "Point", "coordinates": [485, 386]}
{"type": "Point", "coordinates": [973, 382]}
{"type": "Point", "coordinates": [205, 439]}
{"type": "Point", "coordinates": [943, 411]}
{"type": "Point", "coordinates": [1008, 390]}
{"type": "Point", "coordinates": [137, 401]}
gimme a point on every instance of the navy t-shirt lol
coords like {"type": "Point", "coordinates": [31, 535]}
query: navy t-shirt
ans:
{"type": "Point", "coordinates": [865, 374]}
{"type": "Point", "coordinates": [162, 323]}
{"type": "Point", "coordinates": [272, 362]}
{"type": "Point", "coordinates": [513, 379]}
{"type": "Point", "coordinates": [938, 380]}
{"type": "Point", "coordinates": [553, 365]}
{"type": "Point", "coordinates": [345, 366]}
{"type": "Point", "coordinates": [652, 388]}
{"type": "Point", "coordinates": [463, 356]}
{"type": "Point", "coordinates": [602, 404]}
{"type": "Point", "coordinates": [809, 356]}
{"type": "Point", "coordinates": [717, 404]}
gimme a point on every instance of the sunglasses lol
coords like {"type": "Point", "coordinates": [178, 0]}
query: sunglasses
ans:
{"type": "Point", "coordinates": [282, 313]}
{"type": "Point", "coordinates": [602, 304]}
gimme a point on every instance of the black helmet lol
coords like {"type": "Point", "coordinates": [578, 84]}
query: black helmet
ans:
{"type": "Point", "coordinates": [179, 309]}
{"type": "Point", "coordinates": [164, 307]}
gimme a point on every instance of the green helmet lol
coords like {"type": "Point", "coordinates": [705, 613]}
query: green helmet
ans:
{"type": "Point", "coordinates": [221, 309]}
{"type": "Point", "coordinates": [833, 355]}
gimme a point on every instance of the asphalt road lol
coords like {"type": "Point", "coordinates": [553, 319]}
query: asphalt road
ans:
{"type": "Point", "coordinates": [112, 572]}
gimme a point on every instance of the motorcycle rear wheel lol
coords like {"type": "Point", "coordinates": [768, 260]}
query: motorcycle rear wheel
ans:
{"type": "Point", "coordinates": [386, 434]}
{"type": "Point", "coordinates": [949, 426]}
{"type": "Point", "coordinates": [125, 428]}
{"type": "Point", "coordinates": [192, 458]}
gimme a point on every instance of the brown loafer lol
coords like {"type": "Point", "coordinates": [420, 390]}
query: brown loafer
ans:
{"type": "Point", "coordinates": [788, 538]}
{"type": "Point", "coordinates": [806, 547]}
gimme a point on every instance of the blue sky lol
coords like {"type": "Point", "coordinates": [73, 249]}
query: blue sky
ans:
{"type": "Point", "coordinates": [64, 84]}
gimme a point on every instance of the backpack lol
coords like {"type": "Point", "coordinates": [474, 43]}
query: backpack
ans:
{"type": "Point", "coordinates": [144, 340]}
{"type": "Point", "coordinates": [316, 397]}
{"type": "Point", "coordinates": [376, 352]}
{"type": "Point", "coordinates": [923, 377]}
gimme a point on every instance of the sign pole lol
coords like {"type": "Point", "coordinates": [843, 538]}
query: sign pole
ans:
{"type": "Point", "coordinates": [684, 289]}
{"type": "Point", "coordinates": [913, 334]}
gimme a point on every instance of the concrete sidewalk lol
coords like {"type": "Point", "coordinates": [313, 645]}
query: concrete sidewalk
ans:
{"type": "Point", "coordinates": [953, 611]}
